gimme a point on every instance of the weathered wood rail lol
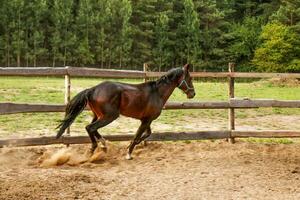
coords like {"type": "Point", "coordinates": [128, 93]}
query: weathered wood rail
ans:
{"type": "Point", "coordinates": [109, 73]}
{"type": "Point", "coordinates": [13, 108]}
{"type": "Point", "coordinates": [231, 104]}
{"type": "Point", "coordinates": [165, 136]}
{"type": "Point", "coordinates": [71, 71]}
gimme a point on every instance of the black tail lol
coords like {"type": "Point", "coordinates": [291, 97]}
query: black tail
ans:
{"type": "Point", "coordinates": [73, 109]}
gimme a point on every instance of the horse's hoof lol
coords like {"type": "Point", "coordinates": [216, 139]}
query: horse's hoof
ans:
{"type": "Point", "coordinates": [103, 141]}
{"type": "Point", "coordinates": [92, 150]}
{"type": "Point", "coordinates": [104, 149]}
{"type": "Point", "coordinates": [128, 157]}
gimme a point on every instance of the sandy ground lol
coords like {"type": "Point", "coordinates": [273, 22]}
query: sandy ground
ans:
{"type": "Point", "coordinates": [166, 170]}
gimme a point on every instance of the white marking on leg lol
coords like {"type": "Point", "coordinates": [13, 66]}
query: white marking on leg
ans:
{"type": "Point", "coordinates": [103, 142]}
{"type": "Point", "coordinates": [128, 156]}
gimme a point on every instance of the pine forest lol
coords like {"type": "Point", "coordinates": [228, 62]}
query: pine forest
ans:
{"type": "Point", "coordinates": [256, 35]}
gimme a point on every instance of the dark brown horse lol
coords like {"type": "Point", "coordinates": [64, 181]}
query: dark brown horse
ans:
{"type": "Point", "coordinates": [141, 101]}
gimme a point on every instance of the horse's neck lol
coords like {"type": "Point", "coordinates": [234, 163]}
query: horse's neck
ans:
{"type": "Point", "coordinates": [166, 90]}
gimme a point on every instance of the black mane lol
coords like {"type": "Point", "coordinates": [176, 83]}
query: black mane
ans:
{"type": "Point", "coordinates": [170, 76]}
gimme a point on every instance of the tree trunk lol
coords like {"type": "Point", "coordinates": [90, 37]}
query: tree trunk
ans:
{"type": "Point", "coordinates": [7, 51]}
{"type": "Point", "coordinates": [121, 52]}
{"type": "Point", "coordinates": [18, 60]}
{"type": "Point", "coordinates": [160, 61]}
{"type": "Point", "coordinates": [109, 60]}
{"type": "Point", "coordinates": [65, 56]}
{"type": "Point", "coordinates": [34, 61]}
{"type": "Point", "coordinates": [188, 55]}
{"type": "Point", "coordinates": [34, 55]}
{"type": "Point", "coordinates": [102, 48]}
{"type": "Point", "coordinates": [8, 57]}
{"type": "Point", "coordinates": [26, 48]}
{"type": "Point", "coordinates": [19, 48]}
{"type": "Point", "coordinates": [102, 55]}
{"type": "Point", "coordinates": [53, 61]}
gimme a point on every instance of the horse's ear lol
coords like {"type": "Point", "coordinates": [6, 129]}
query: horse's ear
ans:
{"type": "Point", "coordinates": [186, 67]}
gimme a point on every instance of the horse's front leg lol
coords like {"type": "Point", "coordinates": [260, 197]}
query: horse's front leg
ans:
{"type": "Point", "coordinates": [137, 138]}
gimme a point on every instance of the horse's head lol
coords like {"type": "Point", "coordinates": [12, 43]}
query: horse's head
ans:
{"type": "Point", "coordinates": [185, 82]}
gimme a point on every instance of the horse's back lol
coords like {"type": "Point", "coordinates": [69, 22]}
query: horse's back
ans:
{"type": "Point", "coordinates": [132, 100]}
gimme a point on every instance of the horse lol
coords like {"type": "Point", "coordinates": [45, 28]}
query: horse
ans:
{"type": "Point", "coordinates": [145, 101]}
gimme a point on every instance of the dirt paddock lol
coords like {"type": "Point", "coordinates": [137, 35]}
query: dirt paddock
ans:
{"type": "Point", "coordinates": [166, 170]}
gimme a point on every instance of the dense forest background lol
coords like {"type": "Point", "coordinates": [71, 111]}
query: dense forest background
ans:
{"type": "Point", "coordinates": [257, 35]}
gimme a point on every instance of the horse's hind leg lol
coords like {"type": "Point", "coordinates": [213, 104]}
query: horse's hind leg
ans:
{"type": "Point", "coordinates": [92, 135]}
{"type": "Point", "coordinates": [94, 126]}
{"type": "Point", "coordinates": [102, 140]}
{"type": "Point", "coordinates": [97, 134]}
{"type": "Point", "coordinates": [94, 142]}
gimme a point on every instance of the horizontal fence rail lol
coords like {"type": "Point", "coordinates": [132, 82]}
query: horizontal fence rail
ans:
{"type": "Point", "coordinates": [36, 71]}
{"type": "Point", "coordinates": [266, 133]}
{"type": "Point", "coordinates": [13, 108]}
{"type": "Point", "coordinates": [165, 136]}
{"type": "Point", "coordinates": [106, 73]}
{"type": "Point", "coordinates": [231, 74]}
{"type": "Point", "coordinates": [71, 71]}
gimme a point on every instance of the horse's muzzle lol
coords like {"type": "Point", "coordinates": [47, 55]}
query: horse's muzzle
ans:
{"type": "Point", "coordinates": [191, 94]}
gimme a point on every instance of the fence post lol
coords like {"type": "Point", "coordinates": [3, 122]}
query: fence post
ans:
{"type": "Point", "coordinates": [67, 93]}
{"type": "Point", "coordinates": [145, 69]}
{"type": "Point", "coordinates": [231, 115]}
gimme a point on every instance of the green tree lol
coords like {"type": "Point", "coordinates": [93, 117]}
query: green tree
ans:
{"type": "Point", "coordinates": [124, 34]}
{"type": "Point", "coordinates": [167, 20]}
{"type": "Point", "coordinates": [83, 29]}
{"type": "Point", "coordinates": [161, 47]}
{"type": "Point", "coordinates": [189, 34]}
{"type": "Point", "coordinates": [119, 43]}
{"type": "Point", "coordinates": [127, 33]}
{"type": "Point", "coordinates": [17, 30]}
{"type": "Point", "coordinates": [280, 49]}
{"type": "Point", "coordinates": [36, 40]}
{"type": "Point", "coordinates": [61, 38]}
{"type": "Point", "coordinates": [100, 34]}
{"type": "Point", "coordinates": [246, 40]}
{"type": "Point", "coordinates": [289, 13]}
{"type": "Point", "coordinates": [213, 30]}
{"type": "Point", "coordinates": [5, 30]}
{"type": "Point", "coordinates": [267, 9]}
{"type": "Point", "coordinates": [142, 21]}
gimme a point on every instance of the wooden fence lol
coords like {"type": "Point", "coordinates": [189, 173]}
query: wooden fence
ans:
{"type": "Point", "coordinates": [231, 104]}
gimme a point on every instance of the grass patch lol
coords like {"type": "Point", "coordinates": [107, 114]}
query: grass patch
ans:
{"type": "Point", "coordinates": [270, 140]}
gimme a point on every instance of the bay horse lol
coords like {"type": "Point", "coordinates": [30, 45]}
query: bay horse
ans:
{"type": "Point", "coordinates": [108, 100]}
